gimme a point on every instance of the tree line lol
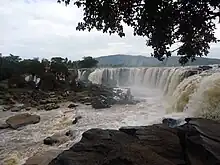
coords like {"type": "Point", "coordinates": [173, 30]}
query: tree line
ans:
{"type": "Point", "coordinates": [13, 65]}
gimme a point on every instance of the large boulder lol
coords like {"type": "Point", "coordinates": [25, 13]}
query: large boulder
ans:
{"type": "Point", "coordinates": [22, 120]}
{"type": "Point", "coordinates": [200, 139]}
{"type": "Point", "coordinates": [197, 142]}
{"type": "Point", "coordinates": [114, 147]}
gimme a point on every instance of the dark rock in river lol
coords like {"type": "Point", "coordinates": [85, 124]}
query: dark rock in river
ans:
{"type": "Point", "coordinates": [173, 122]}
{"type": "Point", "coordinates": [72, 105]}
{"type": "Point", "coordinates": [17, 107]}
{"type": "Point", "coordinates": [51, 106]}
{"type": "Point", "coordinates": [50, 141]}
{"type": "Point", "coordinates": [205, 67]}
{"type": "Point", "coordinates": [22, 120]}
{"type": "Point", "coordinates": [100, 102]}
{"type": "Point", "coordinates": [76, 119]}
{"type": "Point", "coordinates": [197, 142]}
{"type": "Point", "coordinates": [189, 73]}
{"type": "Point", "coordinates": [56, 139]}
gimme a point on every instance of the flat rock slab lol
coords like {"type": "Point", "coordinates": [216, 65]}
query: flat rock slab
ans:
{"type": "Point", "coordinates": [21, 120]}
{"type": "Point", "coordinates": [43, 158]}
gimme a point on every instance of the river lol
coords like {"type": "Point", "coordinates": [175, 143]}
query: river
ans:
{"type": "Point", "coordinates": [166, 92]}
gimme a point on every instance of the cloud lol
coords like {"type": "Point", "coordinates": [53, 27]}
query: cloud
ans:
{"type": "Point", "coordinates": [43, 28]}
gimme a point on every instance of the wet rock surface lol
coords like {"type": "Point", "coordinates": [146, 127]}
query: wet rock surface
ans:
{"type": "Point", "coordinates": [21, 120]}
{"type": "Point", "coordinates": [43, 158]}
{"type": "Point", "coordinates": [192, 143]}
{"type": "Point", "coordinates": [105, 97]}
{"type": "Point", "coordinates": [200, 138]}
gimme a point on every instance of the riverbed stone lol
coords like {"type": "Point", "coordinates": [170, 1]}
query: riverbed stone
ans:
{"type": "Point", "coordinates": [75, 120]}
{"type": "Point", "coordinates": [17, 107]}
{"type": "Point", "coordinates": [51, 106]}
{"type": "Point", "coordinates": [21, 120]}
{"type": "Point", "coordinates": [56, 139]}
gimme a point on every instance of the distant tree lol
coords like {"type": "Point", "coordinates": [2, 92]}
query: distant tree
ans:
{"type": "Point", "coordinates": [59, 67]}
{"type": "Point", "coordinates": [12, 58]}
{"type": "Point", "coordinates": [87, 62]}
{"type": "Point", "coordinates": [58, 60]}
{"type": "Point", "coordinates": [33, 67]}
{"type": "Point", "coordinates": [190, 23]}
{"type": "Point", "coordinates": [45, 62]}
{"type": "Point", "coordinates": [10, 66]}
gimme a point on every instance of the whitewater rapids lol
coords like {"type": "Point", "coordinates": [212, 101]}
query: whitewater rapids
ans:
{"type": "Point", "coordinates": [196, 95]}
{"type": "Point", "coordinates": [167, 92]}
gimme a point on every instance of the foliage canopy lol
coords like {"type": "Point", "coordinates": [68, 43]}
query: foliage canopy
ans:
{"type": "Point", "coordinates": [13, 65]}
{"type": "Point", "coordinates": [190, 23]}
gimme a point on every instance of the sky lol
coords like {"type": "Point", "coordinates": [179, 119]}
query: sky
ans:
{"type": "Point", "coordinates": [45, 29]}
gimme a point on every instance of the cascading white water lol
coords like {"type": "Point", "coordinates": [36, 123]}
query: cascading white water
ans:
{"type": "Point", "coordinates": [96, 76]}
{"type": "Point", "coordinates": [164, 78]}
{"type": "Point", "coordinates": [205, 100]}
{"type": "Point", "coordinates": [198, 94]}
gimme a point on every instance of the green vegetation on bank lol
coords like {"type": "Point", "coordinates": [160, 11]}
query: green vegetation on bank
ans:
{"type": "Point", "coordinates": [14, 66]}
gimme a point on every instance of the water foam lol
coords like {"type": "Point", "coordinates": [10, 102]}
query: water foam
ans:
{"type": "Point", "coordinates": [198, 95]}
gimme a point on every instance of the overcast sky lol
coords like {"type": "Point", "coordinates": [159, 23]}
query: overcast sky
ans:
{"type": "Point", "coordinates": [43, 28]}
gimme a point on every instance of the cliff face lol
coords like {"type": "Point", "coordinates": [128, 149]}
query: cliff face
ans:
{"type": "Point", "coordinates": [195, 143]}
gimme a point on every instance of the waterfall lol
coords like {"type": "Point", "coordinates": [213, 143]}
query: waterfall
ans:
{"type": "Point", "coordinates": [184, 88]}
{"type": "Point", "coordinates": [205, 100]}
{"type": "Point", "coordinates": [165, 79]}
{"type": "Point", "coordinates": [96, 76]}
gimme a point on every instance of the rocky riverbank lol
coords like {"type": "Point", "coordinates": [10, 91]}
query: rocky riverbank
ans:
{"type": "Point", "coordinates": [194, 143]}
{"type": "Point", "coordinates": [98, 96]}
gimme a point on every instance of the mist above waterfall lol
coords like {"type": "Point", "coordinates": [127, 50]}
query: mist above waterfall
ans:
{"type": "Point", "coordinates": [183, 88]}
